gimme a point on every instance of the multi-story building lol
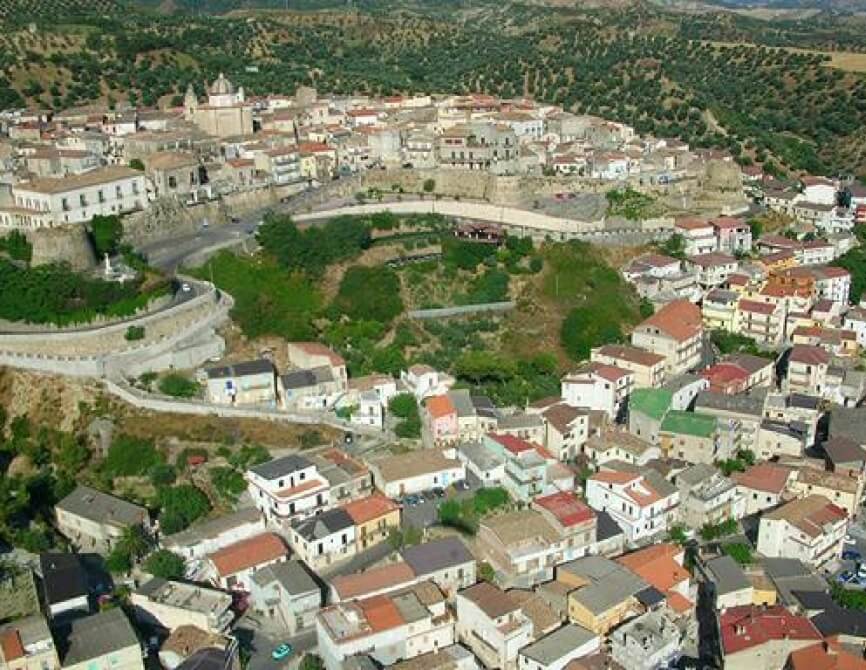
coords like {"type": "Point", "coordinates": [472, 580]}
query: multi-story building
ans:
{"type": "Point", "coordinates": [719, 309]}
{"type": "Point", "coordinates": [810, 529]}
{"type": "Point", "coordinates": [698, 235]}
{"type": "Point", "coordinates": [598, 386]}
{"type": "Point", "coordinates": [400, 625]}
{"type": "Point", "coordinates": [566, 430]}
{"type": "Point", "coordinates": [492, 624]}
{"type": "Point", "coordinates": [172, 604]}
{"type": "Point", "coordinates": [844, 489]}
{"type": "Point", "coordinates": [235, 566]}
{"type": "Point", "coordinates": [575, 520]}
{"type": "Point", "coordinates": [652, 640]}
{"type": "Point", "coordinates": [764, 322]}
{"type": "Point", "coordinates": [713, 268]}
{"type": "Point", "coordinates": [733, 236]}
{"type": "Point", "coordinates": [530, 470]}
{"type": "Point", "coordinates": [648, 367]}
{"type": "Point", "coordinates": [807, 370]}
{"type": "Point", "coordinates": [374, 517]}
{"type": "Point", "coordinates": [675, 332]}
{"type": "Point", "coordinates": [324, 539]}
{"type": "Point", "coordinates": [644, 505]}
{"type": "Point", "coordinates": [692, 437]}
{"type": "Point", "coordinates": [56, 201]}
{"type": "Point", "coordinates": [26, 644]}
{"type": "Point", "coordinates": [707, 497]}
{"type": "Point", "coordinates": [759, 637]}
{"type": "Point", "coordinates": [418, 471]}
{"type": "Point", "coordinates": [288, 488]}
{"type": "Point", "coordinates": [103, 640]}
{"type": "Point", "coordinates": [523, 547]}
{"type": "Point", "coordinates": [478, 146]}
{"type": "Point", "coordinates": [96, 521]}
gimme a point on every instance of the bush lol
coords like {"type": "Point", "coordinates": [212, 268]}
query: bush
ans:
{"type": "Point", "coordinates": [741, 553]}
{"type": "Point", "coordinates": [106, 233]}
{"type": "Point", "coordinates": [489, 499]}
{"type": "Point", "coordinates": [131, 456]}
{"type": "Point", "coordinates": [162, 474]}
{"type": "Point", "coordinates": [16, 245]}
{"type": "Point", "coordinates": [134, 333]}
{"type": "Point", "coordinates": [137, 164]}
{"type": "Point", "coordinates": [458, 515]}
{"type": "Point", "coordinates": [429, 185]}
{"type": "Point", "coordinates": [486, 573]}
{"type": "Point", "coordinates": [165, 564]}
{"type": "Point", "coordinates": [403, 405]}
{"type": "Point", "coordinates": [178, 386]}
{"type": "Point", "coordinates": [180, 506]}
{"type": "Point", "coordinates": [228, 483]}
{"type": "Point", "coordinates": [370, 293]}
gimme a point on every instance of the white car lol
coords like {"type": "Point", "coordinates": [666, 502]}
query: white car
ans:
{"type": "Point", "coordinates": [186, 288]}
{"type": "Point", "coordinates": [849, 540]}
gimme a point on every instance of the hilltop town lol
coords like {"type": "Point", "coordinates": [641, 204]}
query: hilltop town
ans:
{"type": "Point", "coordinates": [669, 476]}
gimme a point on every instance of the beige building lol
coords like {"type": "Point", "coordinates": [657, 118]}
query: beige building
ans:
{"type": "Point", "coordinates": [226, 112]}
{"type": "Point", "coordinates": [648, 367]}
{"type": "Point", "coordinates": [174, 604]}
{"type": "Point", "coordinates": [95, 521]}
{"type": "Point", "coordinates": [104, 641]}
{"type": "Point", "coordinates": [603, 593]}
{"type": "Point", "coordinates": [844, 490]}
{"type": "Point", "coordinates": [26, 644]}
{"type": "Point", "coordinates": [675, 332]}
{"type": "Point", "coordinates": [177, 174]}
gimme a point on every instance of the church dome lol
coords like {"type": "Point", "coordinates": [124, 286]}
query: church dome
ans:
{"type": "Point", "coordinates": [222, 86]}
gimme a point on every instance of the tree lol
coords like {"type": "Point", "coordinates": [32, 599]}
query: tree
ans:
{"type": "Point", "coordinates": [165, 564]}
{"type": "Point", "coordinates": [106, 232]}
{"type": "Point", "coordinates": [311, 662]}
{"type": "Point", "coordinates": [180, 506]}
{"type": "Point", "coordinates": [16, 245]}
{"type": "Point", "coordinates": [369, 293]}
{"type": "Point", "coordinates": [486, 572]}
{"type": "Point", "coordinates": [137, 164]}
{"type": "Point", "coordinates": [131, 456]}
{"type": "Point", "coordinates": [403, 405]}
{"type": "Point", "coordinates": [429, 185]}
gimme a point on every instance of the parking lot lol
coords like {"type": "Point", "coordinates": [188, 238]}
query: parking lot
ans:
{"type": "Point", "coordinates": [424, 512]}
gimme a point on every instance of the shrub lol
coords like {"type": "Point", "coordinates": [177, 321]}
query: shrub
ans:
{"type": "Point", "coordinates": [134, 333]}
{"type": "Point", "coordinates": [106, 233]}
{"type": "Point", "coordinates": [178, 386]}
{"type": "Point", "coordinates": [429, 185]}
{"type": "Point", "coordinates": [180, 506]}
{"type": "Point", "coordinates": [165, 564]}
{"type": "Point", "coordinates": [228, 483]}
{"type": "Point", "coordinates": [16, 245]}
{"type": "Point", "coordinates": [370, 293]}
{"type": "Point", "coordinates": [131, 456]}
{"type": "Point", "coordinates": [741, 553]}
{"type": "Point", "coordinates": [137, 164]}
{"type": "Point", "coordinates": [403, 405]}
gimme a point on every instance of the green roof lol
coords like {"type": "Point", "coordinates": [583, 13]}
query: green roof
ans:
{"type": "Point", "coordinates": [689, 423]}
{"type": "Point", "coordinates": [652, 402]}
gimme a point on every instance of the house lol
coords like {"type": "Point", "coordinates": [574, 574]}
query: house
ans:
{"type": "Point", "coordinates": [844, 489]}
{"type": "Point", "coordinates": [566, 430]}
{"type": "Point", "coordinates": [445, 562]}
{"type": "Point", "coordinates": [373, 581]}
{"type": "Point", "coordinates": [374, 517]}
{"type": "Point", "coordinates": [776, 438]}
{"type": "Point", "coordinates": [573, 518]}
{"type": "Point", "coordinates": [661, 566]}
{"type": "Point", "coordinates": [233, 567]}
{"type": "Point", "coordinates": [762, 321]}
{"type": "Point", "coordinates": [713, 268]}
{"type": "Point", "coordinates": [522, 546]}
{"type": "Point", "coordinates": [810, 529]}
{"type": "Point", "coordinates": [828, 655]}
{"type": "Point", "coordinates": [733, 236]}
{"type": "Point", "coordinates": [324, 539]}
{"type": "Point", "coordinates": [414, 472]}
{"type": "Point", "coordinates": [188, 648]}
{"type": "Point", "coordinates": [603, 595]}
{"type": "Point", "coordinates": [739, 373]}
{"type": "Point", "coordinates": [401, 625]}
{"type": "Point", "coordinates": [530, 470]}
{"type": "Point", "coordinates": [844, 455]}
{"type": "Point", "coordinates": [423, 381]}
{"type": "Point", "coordinates": [739, 417]}
{"type": "Point", "coordinates": [762, 485]}
{"type": "Point", "coordinates": [64, 584]}
{"type": "Point", "coordinates": [104, 640]}
{"type": "Point", "coordinates": [684, 389]}
{"type": "Point", "coordinates": [26, 644]}
{"type": "Point", "coordinates": [319, 380]}
{"type": "Point", "coordinates": [719, 309]}
{"type": "Point", "coordinates": [559, 649]}
{"type": "Point", "coordinates": [855, 319]}
{"type": "Point", "coordinates": [95, 521]}
{"type": "Point", "coordinates": [178, 175]}
{"type": "Point", "coordinates": [690, 436]}
{"type": "Point", "coordinates": [486, 465]}
{"type": "Point", "coordinates": [171, 604]}
{"type": "Point", "coordinates": [615, 444]}
{"type": "Point", "coordinates": [652, 265]}
{"type": "Point", "coordinates": [707, 497]}
{"type": "Point", "coordinates": [288, 488]}
{"type": "Point", "coordinates": [652, 640]}
{"type": "Point", "coordinates": [698, 235]}
{"type": "Point", "coordinates": [597, 386]}
{"type": "Point", "coordinates": [525, 425]}
{"type": "Point", "coordinates": [440, 419]}
{"type": "Point", "coordinates": [648, 367]}
{"type": "Point", "coordinates": [246, 383]}
{"type": "Point", "coordinates": [807, 370]}
{"type": "Point", "coordinates": [287, 593]}
{"type": "Point", "coordinates": [754, 637]}
{"type": "Point", "coordinates": [642, 504]}
{"type": "Point", "coordinates": [48, 202]}
{"type": "Point", "coordinates": [675, 332]}
{"type": "Point", "coordinates": [730, 587]}
{"type": "Point", "coordinates": [646, 411]}
{"type": "Point", "coordinates": [799, 410]}
{"type": "Point", "coordinates": [492, 625]}
{"type": "Point", "coordinates": [206, 537]}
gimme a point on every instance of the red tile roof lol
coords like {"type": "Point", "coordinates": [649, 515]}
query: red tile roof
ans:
{"type": "Point", "coordinates": [614, 477]}
{"type": "Point", "coordinates": [513, 444]}
{"type": "Point", "coordinates": [381, 613]}
{"type": "Point", "coordinates": [10, 643]}
{"type": "Point", "coordinates": [679, 319]}
{"type": "Point", "coordinates": [809, 355]}
{"type": "Point", "coordinates": [827, 655]}
{"type": "Point", "coordinates": [372, 580]}
{"type": "Point", "coordinates": [723, 374]}
{"type": "Point", "coordinates": [692, 223]}
{"type": "Point", "coordinates": [657, 565]}
{"type": "Point", "coordinates": [248, 553]}
{"type": "Point", "coordinates": [567, 508]}
{"type": "Point", "coordinates": [439, 406]}
{"type": "Point", "coordinates": [370, 508]}
{"type": "Point", "coordinates": [763, 477]}
{"type": "Point", "coordinates": [756, 306]}
{"type": "Point", "coordinates": [750, 626]}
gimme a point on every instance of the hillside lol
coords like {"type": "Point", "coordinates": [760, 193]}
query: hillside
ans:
{"type": "Point", "coordinates": [667, 73]}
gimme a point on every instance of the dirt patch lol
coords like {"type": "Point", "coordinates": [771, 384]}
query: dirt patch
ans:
{"type": "Point", "coordinates": [56, 402]}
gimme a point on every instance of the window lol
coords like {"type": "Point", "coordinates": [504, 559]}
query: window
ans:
{"type": "Point", "coordinates": [172, 181]}
{"type": "Point", "coordinates": [101, 196]}
{"type": "Point", "coordinates": [64, 203]}
{"type": "Point", "coordinates": [82, 200]}
{"type": "Point", "coordinates": [118, 193]}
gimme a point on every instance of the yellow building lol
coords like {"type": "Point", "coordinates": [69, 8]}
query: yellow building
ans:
{"type": "Point", "coordinates": [374, 517]}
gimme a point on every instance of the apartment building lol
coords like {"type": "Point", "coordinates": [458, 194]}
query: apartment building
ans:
{"type": "Point", "coordinates": [661, 566]}
{"type": "Point", "coordinates": [675, 332]}
{"type": "Point", "coordinates": [707, 497]}
{"type": "Point", "coordinates": [810, 529]}
{"type": "Point", "coordinates": [643, 504]}
{"type": "Point", "coordinates": [764, 322]}
{"type": "Point", "coordinates": [522, 546]}
{"type": "Point", "coordinates": [698, 235]}
{"type": "Point", "coordinates": [648, 367]}
{"type": "Point", "coordinates": [492, 625]}
{"type": "Point", "coordinates": [575, 521]}
{"type": "Point", "coordinates": [807, 370]}
{"type": "Point", "coordinates": [288, 488]}
{"type": "Point", "coordinates": [598, 386]}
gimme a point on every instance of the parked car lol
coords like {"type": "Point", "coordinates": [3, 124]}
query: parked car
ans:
{"type": "Point", "coordinates": [411, 500]}
{"type": "Point", "coordinates": [438, 492]}
{"type": "Point", "coordinates": [851, 555]}
{"type": "Point", "coordinates": [849, 540]}
{"type": "Point", "coordinates": [283, 651]}
{"type": "Point", "coordinates": [846, 577]}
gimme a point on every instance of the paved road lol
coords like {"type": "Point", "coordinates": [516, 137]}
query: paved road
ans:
{"type": "Point", "coordinates": [169, 254]}
{"type": "Point", "coordinates": [261, 638]}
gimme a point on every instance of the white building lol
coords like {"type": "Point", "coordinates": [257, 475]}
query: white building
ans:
{"type": "Point", "coordinates": [558, 649]}
{"type": "Point", "coordinates": [55, 201]}
{"type": "Point", "coordinates": [492, 624]}
{"type": "Point", "coordinates": [642, 505]}
{"type": "Point", "coordinates": [173, 604]}
{"type": "Point", "coordinates": [324, 539]}
{"type": "Point", "coordinates": [597, 386]}
{"type": "Point", "coordinates": [810, 529]}
{"type": "Point", "coordinates": [422, 381]}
